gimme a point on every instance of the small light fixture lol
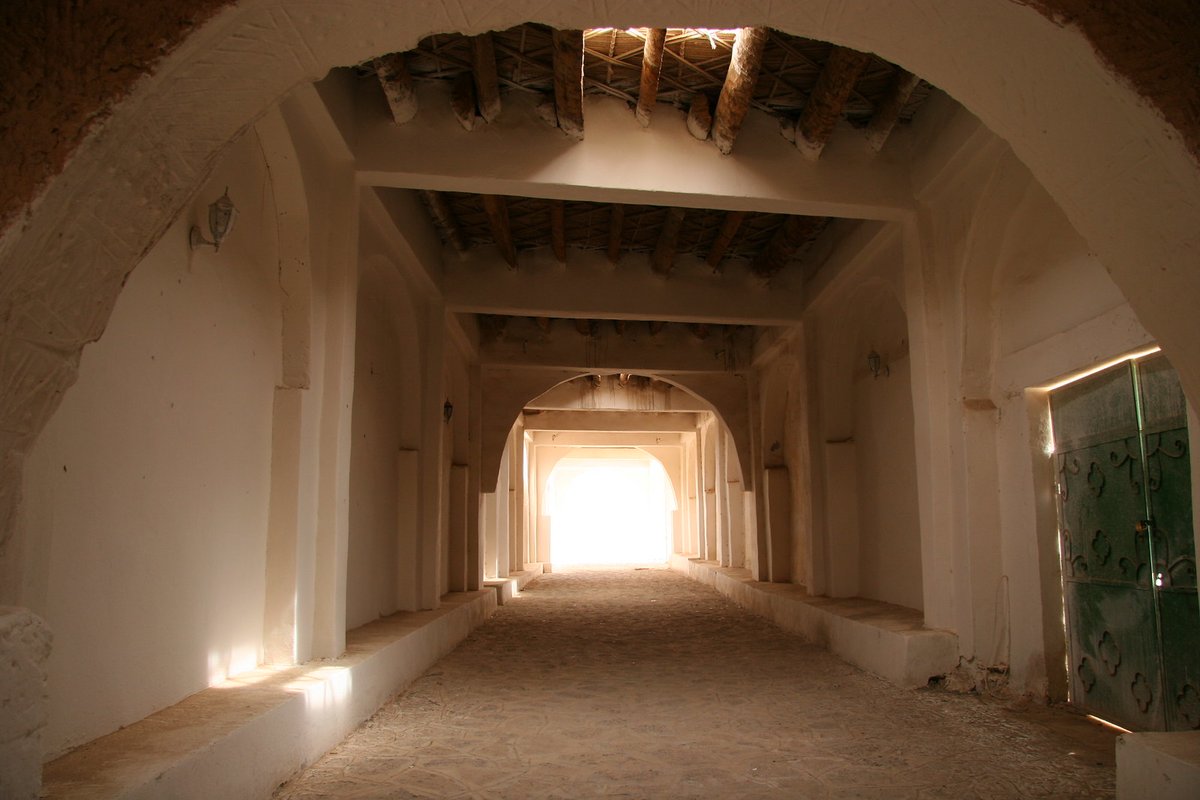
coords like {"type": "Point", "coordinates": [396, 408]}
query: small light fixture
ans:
{"type": "Point", "coordinates": [447, 410]}
{"type": "Point", "coordinates": [221, 216]}
{"type": "Point", "coordinates": [876, 366]}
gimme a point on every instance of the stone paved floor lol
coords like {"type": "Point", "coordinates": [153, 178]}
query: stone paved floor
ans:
{"type": "Point", "coordinates": [644, 684]}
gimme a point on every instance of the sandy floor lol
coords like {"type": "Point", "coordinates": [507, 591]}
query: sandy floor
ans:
{"type": "Point", "coordinates": [644, 684]}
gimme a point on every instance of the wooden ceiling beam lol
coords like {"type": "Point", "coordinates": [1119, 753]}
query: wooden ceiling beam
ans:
{"type": "Point", "coordinates": [652, 60]}
{"type": "Point", "coordinates": [397, 86]}
{"type": "Point", "coordinates": [558, 230]}
{"type": "Point", "coordinates": [462, 101]}
{"type": "Point", "coordinates": [543, 323]}
{"type": "Point", "coordinates": [497, 214]}
{"type": "Point", "coordinates": [738, 90]}
{"type": "Point", "coordinates": [828, 99]}
{"type": "Point", "coordinates": [699, 119]}
{"type": "Point", "coordinates": [487, 82]}
{"type": "Point", "coordinates": [587, 327]}
{"type": "Point", "coordinates": [788, 238]}
{"type": "Point", "coordinates": [568, 81]}
{"type": "Point", "coordinates": [663, 260]}
{"type": "Point", "coordinates": [887, 113]}
{"type": "Point", "coordinates": [444, 218]}
{"type": "Point", "coordinates": [729, 228]}
{"type": "Point", "coordinates": [616, 224]}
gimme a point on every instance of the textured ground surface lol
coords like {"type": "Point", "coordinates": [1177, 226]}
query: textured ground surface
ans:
{"type": "Point", "coordinates": [644, 684]}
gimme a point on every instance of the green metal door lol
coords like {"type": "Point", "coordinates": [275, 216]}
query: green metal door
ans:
{"type": "Point", "coordinates": [1128, 555]}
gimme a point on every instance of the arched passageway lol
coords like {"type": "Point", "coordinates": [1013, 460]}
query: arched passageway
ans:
{"type": "Point", "coordinates": [297, 536]}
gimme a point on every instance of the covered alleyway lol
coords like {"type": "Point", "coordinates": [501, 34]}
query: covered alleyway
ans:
{"type": "Point", "coordinates": [642, 683]}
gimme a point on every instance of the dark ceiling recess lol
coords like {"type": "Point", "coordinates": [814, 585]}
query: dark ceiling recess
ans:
{"type": "Point", "coordinates": [590, 226]}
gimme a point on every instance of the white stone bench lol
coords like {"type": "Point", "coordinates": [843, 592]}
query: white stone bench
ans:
{"type": "Point", "coordinates": [511, 586]}
{"type": "Point", "coordinates": [888, 640]}
{"type": "Point", "coordinates": [1162, 766]}
{"type": "Point", "coordinates": [243, 737]}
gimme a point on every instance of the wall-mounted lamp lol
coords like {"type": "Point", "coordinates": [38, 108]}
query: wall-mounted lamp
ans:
{"type": "Point", "coordinates": [221, 216]}
{"type": "Point", "coordinates": [876, 366]}
{"type": "Point", "coordinates": [447, 411]}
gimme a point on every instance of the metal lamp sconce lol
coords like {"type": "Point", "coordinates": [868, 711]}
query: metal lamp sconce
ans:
{"type": "Point", "coordinates": [876, 366]}
{"type": "Point", "coordinates": [447, 411]}
{"type": "Point", "coordinates": [221, 216]}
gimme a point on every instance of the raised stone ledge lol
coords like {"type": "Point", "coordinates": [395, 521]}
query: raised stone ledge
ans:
{"type": "Point", "coordinates": [243, 737]}
{"type": "Point", "coordinates": [1163, 766]}
{"type": "Point", "coordinates": [888, 640]}
{"type": "Point", "coordinates": [511, 586]}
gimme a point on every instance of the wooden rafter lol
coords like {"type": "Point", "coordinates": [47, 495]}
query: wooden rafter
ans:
{"type": "Point", "coordinates": [699, 119]}
{"type": "Point", "coordinates": [616, 225]}
{"type": "Point", "coordinates": [487, 84]}
{"type": "Point", "coordinates": [568, 81]}
{"type": "Point", "coordinates": [655, 327]}
{"type": "Point", "coordinates": [497, 214]}
{"type": "Point", "coordinates": [543, 323]}
{"type": "Point", "coordinates": [738, 90]}
{"type": "Point", "coordinates": [397, 86]}
{"type": "Point", "coordinates": [828, 98]}
{"type": "Point", "coordinates": [788, 238]}
{"type": "Point", "coordinates": [462, 101]}
{"type": "Point", "coordinates": [700, 330]}
{"type": "Point", "coordinates": [729, 229]}
{"type": "Point", "coordinates": [887, 113]}
{"type": "Point", "coordinates": [587, 327]}
{"type": "Point", "coordinates": [652, 60]}
{"type": "Point", "coordinates": [558, 230]}
{"type": "Point", "coordinates": [663, 259]}
{"type": "Point", "coordinates": [444, 218]}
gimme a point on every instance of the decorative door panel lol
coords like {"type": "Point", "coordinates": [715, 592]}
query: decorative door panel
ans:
{"type": "Point", "coordinates": [1169, 479]}
{"type": "Point", "coordinates": [1128, 555]}
{"type": "Point", "coordinates": [1114, 671]}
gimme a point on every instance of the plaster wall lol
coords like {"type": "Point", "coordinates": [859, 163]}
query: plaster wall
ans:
{"type": "Point", "coordinates": [386, 394]}
{"type": "Point", "coordinates": [1015, 299]}
{"type": "Point", "coordinates": [147, 494]}
{"type": "Point", "coordinates": [889, 530]}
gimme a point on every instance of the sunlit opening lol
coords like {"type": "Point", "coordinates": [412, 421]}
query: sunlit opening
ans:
{"type": "Point", "coordinates": [714, 36]}
{"type": "Point", "coordinates": [609, 511]}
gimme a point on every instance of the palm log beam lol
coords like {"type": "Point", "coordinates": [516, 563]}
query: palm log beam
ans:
{"type": "Point", "coordinates": [887, 114]}
{"type": "Point", "coordinates": [487, 83]}
{"type": "Point", "coordinates": [652, 59]}
{"type": "Point", "coordinates": [443, 216]}
{"type": "Point", "coordinates": [788, 238]}
{"type": "Point", "coordinates": [462, 101]}
{"type": "Point", "coordinates": [397, 86]}
{"type": "Point", "coordinates": [828, 98]}
{"type": "Point", "coordinates": [558, 230]}
{"type": "Point", "coordinates": [616, 223]}
{"type": "Point", "coordinates": [568, 81]}
{"type": "Point", "coordinates": [738, 90]}
{"type": "Point", "coordinates": [729, 229]}
{"type": "Point", "coordinates": [497, 214]}
{"type": "Point", "coordinates": [699, 119]}
{"type": "Point", "coordinates": [663, 260]}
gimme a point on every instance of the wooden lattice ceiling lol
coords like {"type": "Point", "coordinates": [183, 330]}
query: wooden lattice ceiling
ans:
{"type": "Point", "coordinates": [694, 62]}
{"type": "Point", "coordinates": [717, 77]}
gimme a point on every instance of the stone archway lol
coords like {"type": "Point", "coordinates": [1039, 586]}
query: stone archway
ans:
{"type": "Point", "coordinates": [1124, 177]}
